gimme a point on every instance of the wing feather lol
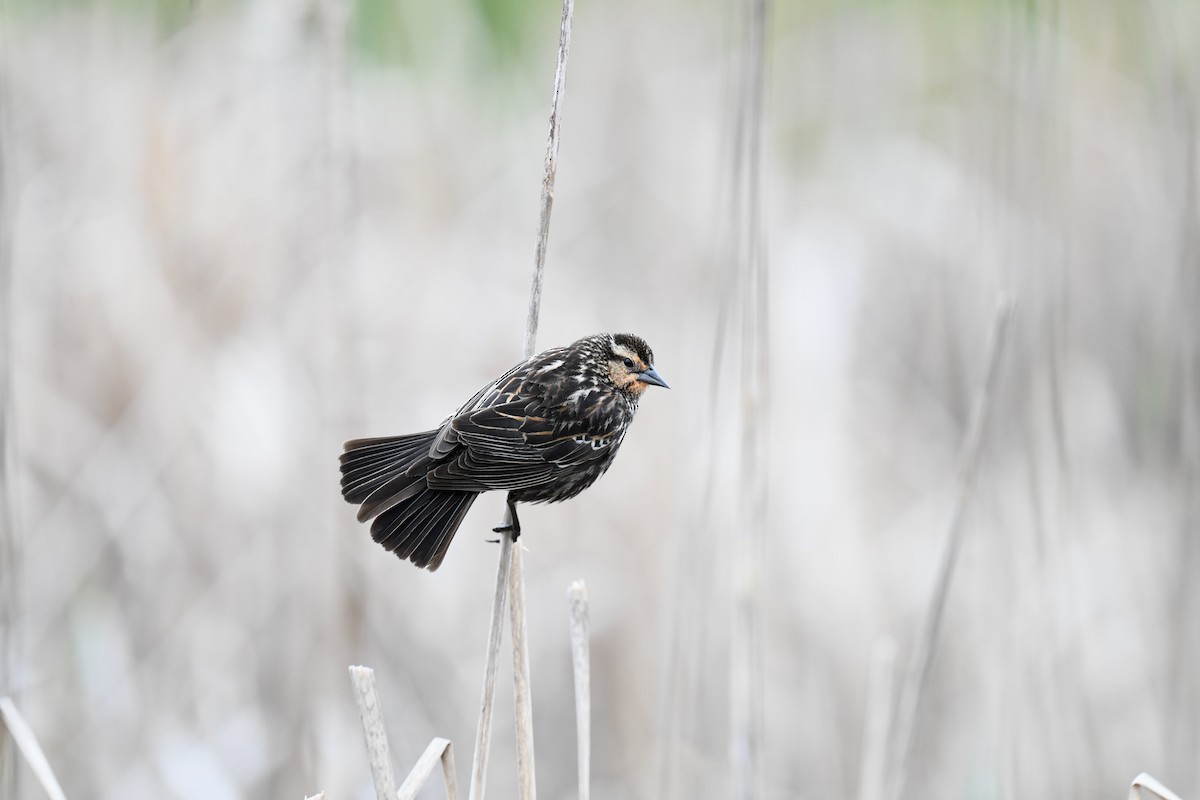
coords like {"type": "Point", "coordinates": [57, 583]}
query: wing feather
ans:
{"type": "Point", "coordinates": [518, 445]}
{"type": "Point", "coordinates": [523, 430]}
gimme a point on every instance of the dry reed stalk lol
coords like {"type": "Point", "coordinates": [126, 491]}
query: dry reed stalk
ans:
{"type": "Point", "coordinates": [1147, 787]}
{"type": "Point", "coordinates": [922, 653]}
{"type": "Point", "coordinates": [881, 684]}
{"type": "Point", "coordinates": [439, 751]}
{"type": "Point", "coordinates": [581, 666]}
{"type": "Point", "coordinates": [510, 577]}
{"type": "Point", "coordinates": [27, 742]}
{"type": "Point", "coordinates": [483, 732]}
{"type": "Point", "coordinates": [549, 172]}
{"type": "Point", "coordinates": [523, 710]}
{"type": "Point", "coordinates": [378, 753]}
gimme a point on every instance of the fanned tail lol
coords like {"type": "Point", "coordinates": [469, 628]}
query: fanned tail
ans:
{"type": "Point", "coordinates": [386, 478]}
{"type": "Point", "coordinates": [370, 464]}
{"type": "Point", "coordinates": [421, 528]}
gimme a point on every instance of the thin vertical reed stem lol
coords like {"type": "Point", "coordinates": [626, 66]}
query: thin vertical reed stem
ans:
{"type": "Point", "coordinates": [510, 579]}
{"type": "Point", "coordinates": [922, 653]}
{"type": "Point", "coordinates": [483, 732]}
{"type": "Point", "coordinates": [581, 664]}
{"type": "Point", "coordinates": [746, 712]}
{"type": "Point", "coordinates": [9, 574]}
{"type": "Point", "coordinates": [526, 777]}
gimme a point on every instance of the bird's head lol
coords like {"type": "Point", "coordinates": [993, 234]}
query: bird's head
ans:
{"type": "Point", "coordinates": [631, 364]}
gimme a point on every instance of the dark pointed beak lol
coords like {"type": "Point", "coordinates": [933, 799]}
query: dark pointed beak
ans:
{"type": "Point", "coordinates": [652, 377]}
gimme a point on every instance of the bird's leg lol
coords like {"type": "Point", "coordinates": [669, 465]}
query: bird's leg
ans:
{"type": "Point", "coordinates": [514, 524]}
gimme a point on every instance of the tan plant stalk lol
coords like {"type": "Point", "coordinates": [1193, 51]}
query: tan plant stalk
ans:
{"type": "Point", "coordinates": [510, 579]}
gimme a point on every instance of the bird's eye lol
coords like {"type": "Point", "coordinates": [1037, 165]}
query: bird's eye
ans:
{"type": "Point", "coordinates": [628, 362]}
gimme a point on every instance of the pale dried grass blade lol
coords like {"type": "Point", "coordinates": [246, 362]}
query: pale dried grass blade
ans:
{"type": "Point", "coordinates": [23, 735]}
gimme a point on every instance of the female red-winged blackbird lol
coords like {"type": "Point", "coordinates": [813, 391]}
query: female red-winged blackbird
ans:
{"type": "Point", "coordinates": [545, 431]}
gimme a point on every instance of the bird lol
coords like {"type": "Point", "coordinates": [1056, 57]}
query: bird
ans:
{"type": "Point", "coordinates": [543, 431]}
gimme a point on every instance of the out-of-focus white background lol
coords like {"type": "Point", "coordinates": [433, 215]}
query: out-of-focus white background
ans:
{"type": "Point", "coordinates": [238, 232]}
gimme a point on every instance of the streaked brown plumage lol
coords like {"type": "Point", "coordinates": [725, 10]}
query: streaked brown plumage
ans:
{"type": "Point", "coordinates": [544, 431]}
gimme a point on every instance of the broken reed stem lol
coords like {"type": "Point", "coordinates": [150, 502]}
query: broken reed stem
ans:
{"type": "Point", "coordinates": [378, 752]}
{"type": "Point", "coordinates": [922, 653]}
{"type": "Point", "coordinates": [439, 751]}
{"type": "Point", "coordinates": [27, 742]}
{"type": "Point", "coordinates": [581, 666]}
{"type": "Point", "coordinates": [510, 577]}
{"type": "Point", "coordinates": [1146, 787]}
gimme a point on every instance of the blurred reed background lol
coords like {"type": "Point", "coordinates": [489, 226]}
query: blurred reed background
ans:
{"type": "Point", "coordinates": [238, 232]}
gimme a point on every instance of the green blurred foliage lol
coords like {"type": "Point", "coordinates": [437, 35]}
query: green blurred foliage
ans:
{"type": "Point", "coordinates": [379, 29]}
{"type": "Point", "coordinates": [382, 28]}
{"type": "Point", "coordinates": [506, 22]}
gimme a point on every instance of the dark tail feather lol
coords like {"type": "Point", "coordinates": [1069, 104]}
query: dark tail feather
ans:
{"type": "Point", "coordinates": [386, 477]}
{"type": "Point", "coordinates": [368, 464]}
{"type": "Point", "coordinates": [421, 528]}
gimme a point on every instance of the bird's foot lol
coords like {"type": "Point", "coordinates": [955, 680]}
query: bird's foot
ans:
{"type": "Point", "coordinates": [501, 529]}
{"type": "Point", "coordinates": [513, 525]}
{"type": "Point", "coordinates": [514, 529]}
